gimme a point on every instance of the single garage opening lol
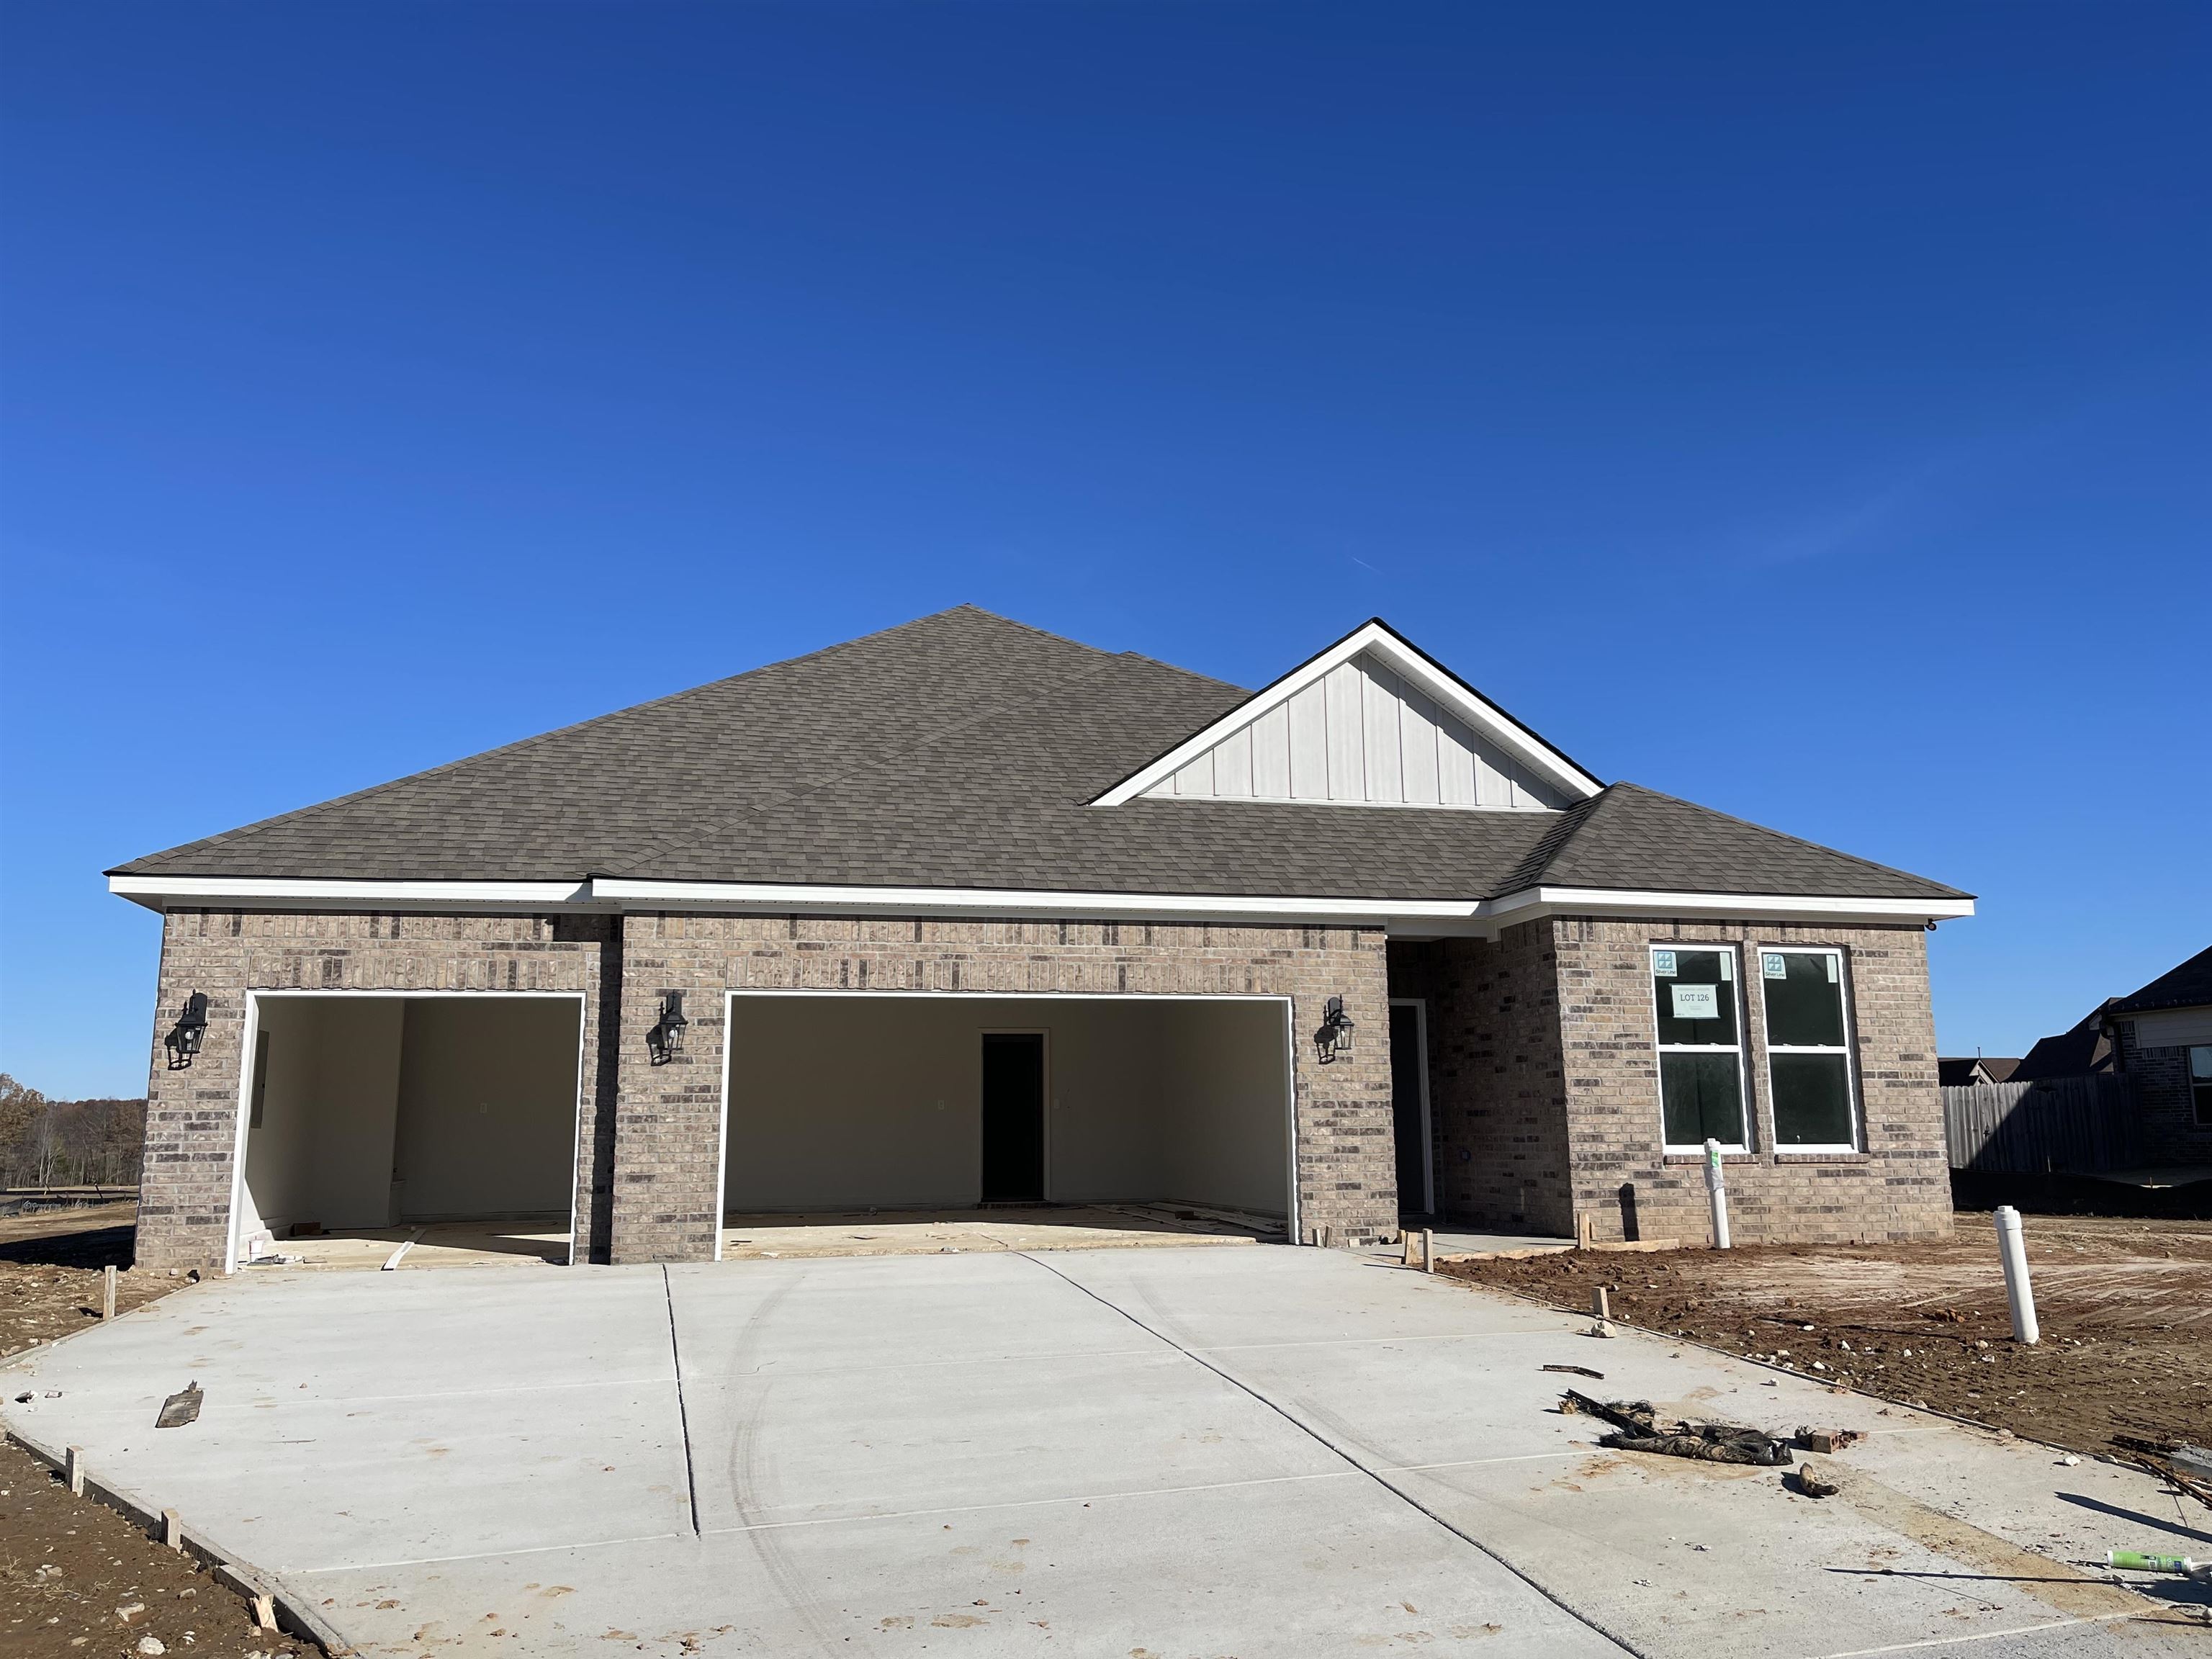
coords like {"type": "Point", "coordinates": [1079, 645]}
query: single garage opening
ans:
{"type": "Point", "coordinates": [372, 1116]}
{"type": "Point", "coordinates": [839, 1104]}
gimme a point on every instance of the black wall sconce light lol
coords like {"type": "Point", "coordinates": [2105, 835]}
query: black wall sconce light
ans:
{"type": "Point", "coordinates": [666, 1040]}
{"type": "Point", "coordinates": [1332, 1041]}
{"type": "Point", "coordinates": [188, 1033]}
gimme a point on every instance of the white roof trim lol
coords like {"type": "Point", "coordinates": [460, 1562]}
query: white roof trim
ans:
{"type": "Point", "coordinates": [1492, 722]}
{"type": "Point", "coordinates": [1411, 914]}
{"type": "Point", "coordinates": [162, 892]}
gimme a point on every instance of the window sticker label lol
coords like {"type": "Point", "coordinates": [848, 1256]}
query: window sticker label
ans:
{"type": "Point", "coordinates": [1697, 1001]}
{"type": "Point", "coordinates": [1727, 967]}
{"type": "Point", "coordinates": [1829, 963]}
{"type": "Point", "coordinates": [1773, 966]}
{"type": "Point", "coordinates": [1662, 965]}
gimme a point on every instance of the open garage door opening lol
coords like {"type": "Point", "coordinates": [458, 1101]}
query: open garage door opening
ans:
{"type": "Point", "coordinates": [977, 1119]}
{"type": "Point", "coordinates": [444, 1121]}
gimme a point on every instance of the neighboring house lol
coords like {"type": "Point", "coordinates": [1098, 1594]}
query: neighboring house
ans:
{"type": "Point", "coordinates": [2083, 1050]}
{"type": "Point", "coordinates": [1971, 1069]}
{"type": "Point", "coordinates": [966, 912]}
{"type": "Point", "coordinates": [2162, 1036]}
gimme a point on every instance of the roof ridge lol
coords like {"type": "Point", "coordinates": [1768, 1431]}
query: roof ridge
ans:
{"type": "Point", "coordinates": [990, 711]}
{"type": "Point", "coordinates": [1529, 872]}
{"type": "Point", "coordinates": [299, 814]}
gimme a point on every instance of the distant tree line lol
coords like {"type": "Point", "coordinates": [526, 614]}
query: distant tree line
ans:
{"type": "Point", "coordinates": [68, 1142]}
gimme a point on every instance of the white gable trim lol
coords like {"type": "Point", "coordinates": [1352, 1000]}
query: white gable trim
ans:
{"type": "Point", "coordinates": [1483, 717]}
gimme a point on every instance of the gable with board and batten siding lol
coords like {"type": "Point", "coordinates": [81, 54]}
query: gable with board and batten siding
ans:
{"type": "Point", "coordinates": [1371, 722]}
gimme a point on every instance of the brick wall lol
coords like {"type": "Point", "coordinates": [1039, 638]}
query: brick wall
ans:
{"type": "Point", "coordinates": [1898, 1188]}
{"type": "Point", "coordinates": [191, 1116]}
{"type": "Point", "coordinates": [2167, 1110]}
{"type": "Point", "coordinates": [667, 1135]}
{"type": "Point", "coordinates": [1496, 1102]}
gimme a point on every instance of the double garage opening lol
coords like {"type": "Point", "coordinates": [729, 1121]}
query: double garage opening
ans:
{"type": "Point", "coordinates": [843, 1102]}
{"type": "Point", "coordinates": [370, 1116]}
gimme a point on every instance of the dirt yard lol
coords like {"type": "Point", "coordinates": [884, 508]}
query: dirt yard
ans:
{"type": "Point", "coordinates": [2125, 1306]}
{"type": "Point", "coordinates": [77, 1581]}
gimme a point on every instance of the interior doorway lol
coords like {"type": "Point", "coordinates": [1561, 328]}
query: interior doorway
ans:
{"type": "Point", "coordinates": [1014, 1117]}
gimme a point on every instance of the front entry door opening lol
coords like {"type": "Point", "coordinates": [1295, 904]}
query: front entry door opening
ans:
{"type": "Point", "coordinates": [1014, 1117]}
{"type": "Point", "coordinates": [1409, 1106]}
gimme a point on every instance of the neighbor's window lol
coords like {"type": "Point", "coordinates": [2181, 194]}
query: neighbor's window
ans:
{"type": "Point", "coordinates": [1700, 1047]}
{"type": "Point", "coordinates": [2200, 1085]}
{"type": "Point", "coordinates": [1808, 1055]}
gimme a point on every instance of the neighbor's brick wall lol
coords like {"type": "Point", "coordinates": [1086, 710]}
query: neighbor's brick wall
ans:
{"type": "Point", "coordinates": [2164, 1104]}
{"type": "Point", "coordinates": [1898, 1187]}
{"type": "Point", "coordinates": [191, 1116]}
{"type": "Point", "coordinates": [667, 1136]}
{"type": "Point", "coordinates": [1495, 1103]}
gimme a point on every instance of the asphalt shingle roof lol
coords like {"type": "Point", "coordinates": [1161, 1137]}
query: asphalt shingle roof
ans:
{"type": "Point", "coordinates": [2189, 986]}
{"type": "Point", "coordinates": [962, 750]}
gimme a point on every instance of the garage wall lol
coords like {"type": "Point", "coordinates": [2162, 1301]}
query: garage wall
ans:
{"type": "Point", "coordinates": [1225, 1113]}
{"type": "Point", "coordinates": [838, 1105]}
{"type": "Point", "coordinates": [487, 1106]}
{"type": "Point", "coordinates": [323, 1153]}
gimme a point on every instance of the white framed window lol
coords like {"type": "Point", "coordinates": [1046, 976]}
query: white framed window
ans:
{"type": "Point", "coordinates": [2200, 1085]}
{"type": "Point", "coordinates": [1696, 1019]}
{"type": "Point", "coordinates": [1808, 1054]}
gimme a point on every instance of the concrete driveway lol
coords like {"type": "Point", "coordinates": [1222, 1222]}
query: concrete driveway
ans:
{"type": "Point", "coordinates": [1145, 1453]}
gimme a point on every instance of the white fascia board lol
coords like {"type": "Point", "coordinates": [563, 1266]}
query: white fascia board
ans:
{"type": "Point", "coordinates": [1433, 682]}
{"type": "Point", "coordinates": [783, 898]}
{"type": "Point", "coordinates": [163, 892]}
{"type": "Point", "coordinates": [1534, 902]}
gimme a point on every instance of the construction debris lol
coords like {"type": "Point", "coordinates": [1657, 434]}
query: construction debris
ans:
{"type": "Point", "coordinates": [181, 1408]}
{"type": "Point", "coordinates": [2181, 1566]}
{"type": "Point", "coordinates": [1809, 1482]}
{"type": "Point", "coordinates": [1637, 1428]}
{"type": "Point", "coordinates": [1827, 1440]}
{"type": "Point", "coordinates": [1576, 1371]}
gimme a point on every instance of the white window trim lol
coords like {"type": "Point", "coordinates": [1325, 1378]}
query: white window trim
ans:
{"type": "Point", "coordinates": [2188, 1077]}
{"type": "Point", "coordinates": [1848, 1050]}
{"type": "Point", "coordinates": [1674, 1148]}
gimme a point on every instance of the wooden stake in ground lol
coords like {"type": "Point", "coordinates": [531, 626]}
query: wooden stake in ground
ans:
{"type": "Point", "coordinates": [108, 1292]}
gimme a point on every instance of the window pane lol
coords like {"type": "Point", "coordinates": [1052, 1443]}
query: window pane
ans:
{"type": "Point", "coordinates": [1811, 1100]}
{"type": "Point", "coordinates": [1696, 1003]}
{"type": "Point", "coordinates": [1805, 1005]}
{"type": "Point", "coordinates": [1704, 1098]}
{"type": "Point", "coordinates": [2200, 1064]}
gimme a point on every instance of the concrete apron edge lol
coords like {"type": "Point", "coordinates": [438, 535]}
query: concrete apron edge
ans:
{"type": "Point", "coordinates": [295, 1613]}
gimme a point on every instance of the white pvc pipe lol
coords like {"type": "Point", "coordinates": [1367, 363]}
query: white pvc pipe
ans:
{"type": "Point", "coordinates": [1717, 1190]}
{"type": "Point", "coordinates": [2013, 1253]}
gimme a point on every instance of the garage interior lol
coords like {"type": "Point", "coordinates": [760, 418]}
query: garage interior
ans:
{"type": "Point", "coordinates": [447, 1121]}
{"type": "Point", "coordinates": [984, 1121]}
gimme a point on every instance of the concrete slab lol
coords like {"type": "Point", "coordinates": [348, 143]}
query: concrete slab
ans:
{"type": "Point", "coordinates": [1166, 1451]}
{"type": "Point", "coordinates": [998, 1228]}
{"type": "Point", "coordinates": [537, 1242]}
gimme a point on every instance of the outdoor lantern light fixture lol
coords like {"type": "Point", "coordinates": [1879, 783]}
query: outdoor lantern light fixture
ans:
{"type": "Point", "coordinates": [1332, 1041]}
{"type": "Point", "coordinates": [189, 1031]}
{"type": "Point", "coordinates": [666, 1040]}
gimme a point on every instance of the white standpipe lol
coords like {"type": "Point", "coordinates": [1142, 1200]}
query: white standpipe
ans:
{"type": "Point", "coordinates": [1718, 1189]}
{"type": "Point", "coordinates": [2018, 1291]}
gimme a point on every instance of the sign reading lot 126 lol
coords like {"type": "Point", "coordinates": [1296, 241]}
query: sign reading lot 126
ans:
{"type": "Point", "coordinates": [1696, 1001]}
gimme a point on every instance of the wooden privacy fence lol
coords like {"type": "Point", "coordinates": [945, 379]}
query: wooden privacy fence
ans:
{"type": "Point", "coordinates": [2064, 1123]}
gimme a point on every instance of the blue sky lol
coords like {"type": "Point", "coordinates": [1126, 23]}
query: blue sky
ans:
{"type": "Point", "coordinates": [1801, 408]}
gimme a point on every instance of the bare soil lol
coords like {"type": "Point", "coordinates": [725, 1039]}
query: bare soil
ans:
{"type": "Point", "coordinates": [78, 1580]}
{"type": "Point", "coordinates": [2125, 1307]}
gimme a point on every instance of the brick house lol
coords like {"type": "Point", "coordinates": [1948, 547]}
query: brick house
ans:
{"type": "Point", "coordinates": [2161, 1040]}
{"type": "Point", "coordinates": [965, 912]}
